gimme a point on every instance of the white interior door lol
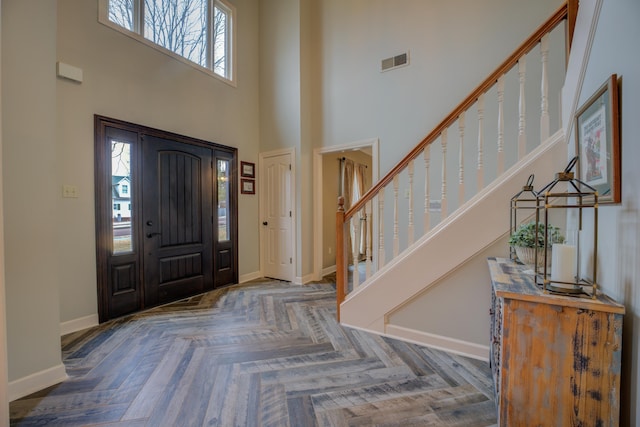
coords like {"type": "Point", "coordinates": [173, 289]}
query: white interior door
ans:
{"type": "Point", "coordinates": [277, 223]}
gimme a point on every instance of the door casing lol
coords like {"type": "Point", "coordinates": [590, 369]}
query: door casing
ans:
{"type": "Point", "coordinates": [318, 153]}
{"type": "Point", "coordinates": [133, 270]}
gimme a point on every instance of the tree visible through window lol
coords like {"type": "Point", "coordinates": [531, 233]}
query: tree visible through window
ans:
{"type": "Point", "coordinates": [198, 30]}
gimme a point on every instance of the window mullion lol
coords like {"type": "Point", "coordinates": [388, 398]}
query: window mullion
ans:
{"type": "Point", "coordinates": [210, 29]}
{"type": "Point", "coordinates": [139, 16]}
{"type": "Point", "coordinates": [129, 16]}
{"type": "Point", "coordinates": [228, 69]}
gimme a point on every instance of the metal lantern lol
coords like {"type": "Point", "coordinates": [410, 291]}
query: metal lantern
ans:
{"type": "Point", "coordinates": [523, 205]}
{"type": "Point", "coordinates": [576, 198]}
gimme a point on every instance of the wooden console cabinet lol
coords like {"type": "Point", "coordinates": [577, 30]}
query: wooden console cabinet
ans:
{"type": "Point", "coordinates": [555, 359]}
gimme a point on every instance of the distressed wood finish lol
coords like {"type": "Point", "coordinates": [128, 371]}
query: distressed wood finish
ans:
{"type": "Point", "coordinates": [266, 353]}
{"type": "Point", "coordinates": [555, 359]}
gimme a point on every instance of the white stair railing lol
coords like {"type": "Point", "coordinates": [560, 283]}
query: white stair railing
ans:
{"type": "Point", "coordinates": [513, 141]}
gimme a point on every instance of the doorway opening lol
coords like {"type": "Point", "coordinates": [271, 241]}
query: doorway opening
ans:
{"type": "Point", "coordinates": [327, 182]}
{"type": "Point", "coordinates": [166, 217]}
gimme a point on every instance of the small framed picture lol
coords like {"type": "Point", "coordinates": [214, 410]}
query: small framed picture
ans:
{"type": "Point", "coordinates": [247, 170]}
{"type": "Point", "coordinates": [247, 186]}
{"type": "Point", "coordinates": [598, 142]}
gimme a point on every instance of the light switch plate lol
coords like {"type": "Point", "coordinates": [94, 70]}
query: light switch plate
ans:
{"type": "Point", "coordinates": [70, 191]}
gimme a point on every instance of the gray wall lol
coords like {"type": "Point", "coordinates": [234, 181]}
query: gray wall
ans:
{"type": "Point", "coordinates": [450, 54]}
{"type": "Point", "coordinates": [30, 185]}
{"type": "Point", "coordinates": [127, 80]}
{"type": "Point", "coordinates": [48, 141]}
{"type": "Point", "coordinates": [615, 50]}
{"type": "Point", "coordinates": [287, 86]}
{"type": "Point", "coordinates": [319, 85]}
{"type": "Point", "coordinates": [456, 306]}
{"type": "Point", "coordinates": [4, 400]}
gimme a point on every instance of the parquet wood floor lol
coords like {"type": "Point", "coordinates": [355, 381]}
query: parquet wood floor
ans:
{"type": "Point", "coordinates": [266, 353]}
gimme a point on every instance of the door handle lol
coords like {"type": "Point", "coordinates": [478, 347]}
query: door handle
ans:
{"type": "Point", "coordinates": [153, 234]}
{"type": "Point", "coordinates": [265, 223]}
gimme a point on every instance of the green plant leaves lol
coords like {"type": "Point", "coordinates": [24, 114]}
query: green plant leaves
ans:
{"type": "Point", "coordinates": [525, 236]}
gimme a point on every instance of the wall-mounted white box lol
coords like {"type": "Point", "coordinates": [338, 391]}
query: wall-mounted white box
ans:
{"type": "Point", "coordinates": [69, 72]}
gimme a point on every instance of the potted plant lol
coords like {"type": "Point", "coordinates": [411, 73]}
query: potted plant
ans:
{"type": "Point", "coordinates": [526, 242]}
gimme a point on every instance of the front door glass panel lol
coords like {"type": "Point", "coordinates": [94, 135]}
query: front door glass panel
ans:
{"type": "Point", "coordinates": [223, 199]}
{"type": "Point", "coordinates": [121, 197]}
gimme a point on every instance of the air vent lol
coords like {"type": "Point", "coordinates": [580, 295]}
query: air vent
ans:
{"type": "Point", "coordinates": [395, 62]}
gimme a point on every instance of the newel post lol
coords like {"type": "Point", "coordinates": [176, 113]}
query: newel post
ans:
{"type": "Point", "coordinates": [340, 264]}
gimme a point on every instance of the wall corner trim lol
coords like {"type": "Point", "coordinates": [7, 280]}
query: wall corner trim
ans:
{"type": "Point", "coordinates": [249, 277]}
{"type": "Point", "coordinates": [78, 324]}
{"type": "Point", "coordinates": [35, 382]}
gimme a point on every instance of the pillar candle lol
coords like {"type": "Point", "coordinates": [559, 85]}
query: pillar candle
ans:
{"type": "Point", "coordinates": [563, 263]}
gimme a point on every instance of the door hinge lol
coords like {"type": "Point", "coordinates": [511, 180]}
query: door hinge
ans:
{"type": "Point", "coordinates": [289, 166]}
{"type": "Point", "coordinates": [290, 260]}
{"type": "Point", "coordinates": [289, 214]}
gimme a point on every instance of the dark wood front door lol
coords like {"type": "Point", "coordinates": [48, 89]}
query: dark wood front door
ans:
{"type": "Point", "coordinates": [177, 219]}
{"type": "Point", "coordinates": [166, 217]}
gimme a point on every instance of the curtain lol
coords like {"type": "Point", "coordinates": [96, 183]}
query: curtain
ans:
{"type": "Point", "coordinates": [347, 192]}
{"type": "Point", "coordinates": [359, 191]}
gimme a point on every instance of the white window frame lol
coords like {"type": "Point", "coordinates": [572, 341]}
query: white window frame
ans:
{"type": "Point", "coordinates": [138, 35]}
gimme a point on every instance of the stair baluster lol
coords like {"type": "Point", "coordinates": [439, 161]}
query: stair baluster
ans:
{"type": "Point", "coordinates": [443, 193]}
{"type": "Point", "coordinates": [522, 136]}
{"type": "Point", "coordinates": [410, 227]}
{"type": "Point", "coordinates": [356, 226]}
{"type": "Point", "coordinates": [427, 189]}
{"type": "Point", "coordinates": [500, 167]}
{"type": "Point", "coordinates": [544, 89]}
{"type": "Point", "coordinates": [461, 160]}
{"type": "Point", "coordinates": [480, 174]}
{"type": "Point", "coordinates": [368, 217]}
{"type": "Point", "coordinates": [396, 234]}
{"type": "Point", "coordinates": [369, 210]}
{"type": "Point", "coordinates": [381, 254]}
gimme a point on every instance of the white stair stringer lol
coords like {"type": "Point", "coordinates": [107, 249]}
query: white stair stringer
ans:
{"type": "Point", "coordinates": [466, 232]}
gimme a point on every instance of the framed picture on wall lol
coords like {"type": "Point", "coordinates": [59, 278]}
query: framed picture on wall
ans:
{"type": "Point", "coordinates": [598, 142]}
{"type": "Point", "coordinates": [247, 170]}
{"type": "Point", "coordinates": [247, 186]}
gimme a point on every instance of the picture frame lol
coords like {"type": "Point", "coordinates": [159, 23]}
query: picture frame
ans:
{"type": "Point", "coordinates": [247, 186]}
{"type": "Point", "coordinates": [247, 170]}
{"type": "Point", "coordinates": [597, 129]}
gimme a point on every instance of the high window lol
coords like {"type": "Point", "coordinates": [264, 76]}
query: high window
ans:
{"type": "Point", "coordinates": [199, 31]}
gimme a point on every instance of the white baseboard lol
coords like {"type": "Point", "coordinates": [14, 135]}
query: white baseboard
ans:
{"type": "Point", "coordinates": [307, 278]}
{"type": "Point", "coordinates": [439, 342]}
{"type": "Point", "coordinates": [79, 324]}
{"type": "Point", "coordinates": [35, 382]}
{"type": "Point", "coordinates": [249, 277]}
{"type": "Point", "coordinates": [328, 270]}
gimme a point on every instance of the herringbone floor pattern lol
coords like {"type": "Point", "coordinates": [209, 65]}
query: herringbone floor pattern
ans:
{"type": "Point", "coordinates": [266, 353]}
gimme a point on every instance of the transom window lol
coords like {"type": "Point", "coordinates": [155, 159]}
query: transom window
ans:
{"type": "Point", "coordinates": [199, 31]}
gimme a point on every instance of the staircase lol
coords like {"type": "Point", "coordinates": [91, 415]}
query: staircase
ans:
{"type": "Point", "coordinates": [413, 243]}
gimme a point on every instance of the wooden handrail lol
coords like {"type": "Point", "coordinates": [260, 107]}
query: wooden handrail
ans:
{"type": "Point", "coordinates": [572, 14]}
{"type": "Point", "coordinates": [509, 63]}
{"type": "Point", "coordinates": [567, 11]}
